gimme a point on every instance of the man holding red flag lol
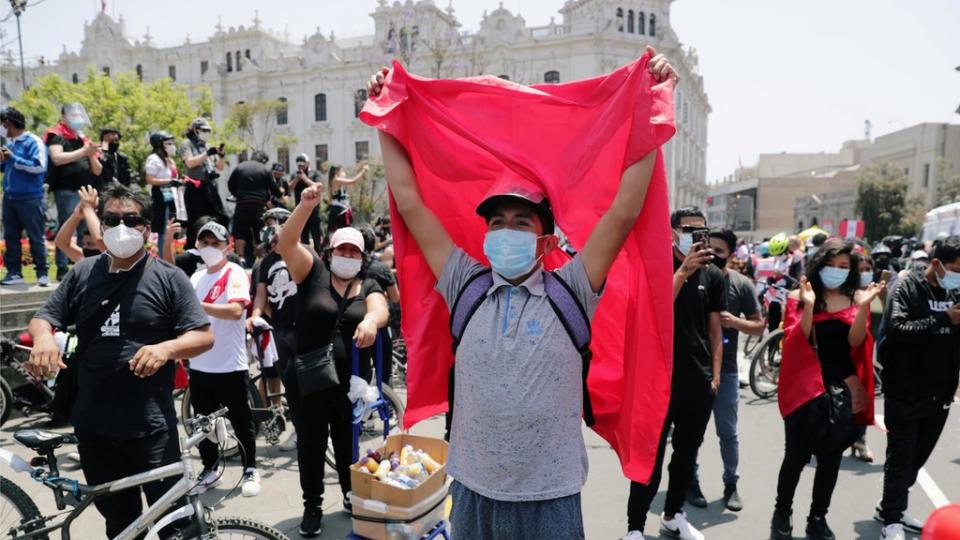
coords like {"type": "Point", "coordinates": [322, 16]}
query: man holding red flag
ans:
{"type": "Point", "coordinates": [517, 448]}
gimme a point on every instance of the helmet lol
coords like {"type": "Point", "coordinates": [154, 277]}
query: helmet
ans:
{"type": "Point", "coordinates": [280, 215]}
{"type": "Point", "coordinates": [200, 123]}
{"type": "Point", "coordinates": [778, 244]}
{"type": "Point", "coordinates": [764, 249]}
{"type": "Point", "coordinates": [157, 138]}
{"type": "Point", "coordinates": [261, 156]}
{"type": "Point", "coordinates": [881, 249]}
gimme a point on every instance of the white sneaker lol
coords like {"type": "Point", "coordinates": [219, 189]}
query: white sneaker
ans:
{"type": "Point", "coordinates": [633, 535]}
{"type": "Point", "coordinates": [43, 280]}
{"type": "Point", "coordinates": [679, 527]}
{"type": "Point", "coordinates": [909, 522]}
{"type": "Point", "coordinates": [207, 479]}
{"type": "Point", "coordinates": [290, 444]}
{"type": "Point", "coordinates": [251, 483]}
{"type": "Point", "coordinates": [893, 532]}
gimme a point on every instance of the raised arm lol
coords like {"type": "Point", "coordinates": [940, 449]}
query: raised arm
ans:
{"type": "Point", "coordinates": [66, 240]}
{"type": "Point", "coordinates": [90, 202]}
{"type": "Point", "coordinates": [345, 180]}
{"type": "Point", "coordinates": [299, 259]}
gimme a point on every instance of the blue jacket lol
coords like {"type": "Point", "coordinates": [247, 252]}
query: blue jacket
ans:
{"type": "Point", "coordinates": [24, 171]}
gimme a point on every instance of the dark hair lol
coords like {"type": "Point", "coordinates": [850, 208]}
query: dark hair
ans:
{"type": "Point", "coordinates": [116, 191]}
{"type": "Point", "coordinates": [686, 211]}
{"type": "Point", "coordinates": [13, 116]}
{"type": "Point", "coordinates": [727, 236]}
{"type": "Point", "coordinates": [261, 156]}
{"type": "Point", "coordinates": [818, 239]}
{"type": "Point", "coordinates": [369, 238]}
{"type": "Point", "coordinates": [332, 173]}
{"type": "Point", "coordinates": [830, 249]}
{"type": "Point", "coordinates": [948, 249]}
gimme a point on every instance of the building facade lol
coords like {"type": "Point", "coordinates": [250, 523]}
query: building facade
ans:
{"type": "Point", "coordinates": [926, 152]}
{"type": "Point", "coordinates": [322, 79]}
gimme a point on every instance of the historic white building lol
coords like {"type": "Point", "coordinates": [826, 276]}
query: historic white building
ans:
{"type": "Point", "coordinates": [322, 78]}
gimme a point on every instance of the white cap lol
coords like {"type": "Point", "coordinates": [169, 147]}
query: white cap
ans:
{"type": "Point", "coordinates": [347, 235]}
{"type": "Point", "coordinates": [919, 254]}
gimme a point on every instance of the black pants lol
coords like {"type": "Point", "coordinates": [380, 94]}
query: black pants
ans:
{"type": "Point", "coordinates": [798, 451]}
{"type": "Point", "coordinates": [211, 391]}
{"type": "Point", "coordinates": [312, 229]}
{"type": "Point", "coordinates": [315, 418]}
{"type": "Point", "coordinates": [774, 316]}
{"type": "Point", "coordinates": [689, 413]}
{"type": "Point", "coordinates": [105, 459]}
{"type": "Point", "coordinates": [913, 429]}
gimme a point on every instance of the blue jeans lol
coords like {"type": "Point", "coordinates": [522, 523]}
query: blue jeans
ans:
{"type": "Point", "coordinates": [29, 216]}
{"type": "Point", "coordinates": [725, 420]}
{"type": "Point", "coordinates": [67, 200]}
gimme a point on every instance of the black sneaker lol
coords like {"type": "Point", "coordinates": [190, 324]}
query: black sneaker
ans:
{"type": "Point", "coordinates": [817, 529]}
{"type": "Point", "coordinates": [695, 495]}
{"type": "Point", "coordinates": [310, 526]}
{"type": "Point", "coordinates": [781, 526]}
{"type": "Point", "coordinates": [731, 499]}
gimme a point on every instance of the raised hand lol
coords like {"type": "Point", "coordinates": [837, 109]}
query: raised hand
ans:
{"type": "Point", "coordinates": [871, 292]}
{"type": "Point", "coordinates": [376, 82]}
{"type": "Point", "coordinates": [173, 228]}
{"type": "Point", "coordinates": [696, 258]}
{"type": "Point", "coordinates": [89, 197]}
{"type": "Point", "coordinates": [807, 295]}
{"type": "Point", "coordinates": [660, 67]}
{"type": "Point", "coordinates": [311, 196]}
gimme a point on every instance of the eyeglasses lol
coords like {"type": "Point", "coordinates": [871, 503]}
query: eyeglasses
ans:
{"type": "Point", "coordinates": [692, 229]}
{"type": "Point", "coordinates": [130, 219]}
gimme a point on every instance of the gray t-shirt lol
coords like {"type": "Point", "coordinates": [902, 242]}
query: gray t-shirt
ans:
{"type": "Point", "coordinates": [516, 433]}
{"type": "Point", "coordinates": [741, 302]}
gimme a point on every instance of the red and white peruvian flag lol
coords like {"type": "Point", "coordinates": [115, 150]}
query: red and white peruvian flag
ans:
{"type": "Point", "coordinates": [852, 228]}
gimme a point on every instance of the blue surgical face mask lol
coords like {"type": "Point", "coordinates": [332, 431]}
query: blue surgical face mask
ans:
{"type": "Point", "coordinates": [832, 277]}
{"type": "Point", "coordinates": [76, 124]}
{"type": "Point", "coordinates": [511, 253]}
{"type": "Point", "coordinates": [950, 280]}
{"type": "Point", "coordinates": [866, 278]}
{"type": "Point", "coordinates": [685, 244]}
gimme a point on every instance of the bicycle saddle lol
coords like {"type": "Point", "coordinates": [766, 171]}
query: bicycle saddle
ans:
{"type": "Point", "coordinates": [38, 439]}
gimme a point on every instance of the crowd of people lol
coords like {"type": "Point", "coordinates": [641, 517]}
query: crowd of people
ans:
{"type": "Point", "coordinates": [330, 291]}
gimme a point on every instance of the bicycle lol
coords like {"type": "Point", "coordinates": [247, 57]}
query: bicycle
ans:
{"type": "Point", "coordinates": [21, 518]}
{"type": "Point", "coordinates": [19, 387]}
{"type": "Point", "coordinates": [765, 365]}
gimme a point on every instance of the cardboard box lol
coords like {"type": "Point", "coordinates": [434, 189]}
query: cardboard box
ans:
{"type": "Point", "coordinates": [379, 521]}
{"type": "Point", "coordinates": [367, 486]}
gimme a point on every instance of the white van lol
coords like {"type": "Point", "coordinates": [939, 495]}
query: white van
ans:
{"type": "Point", "coordinates": [942, 219]}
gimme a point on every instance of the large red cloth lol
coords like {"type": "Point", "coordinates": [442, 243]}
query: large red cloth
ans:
{"type": "Point", "coordinates": [800, 377]}
{"type": "Point", "coordinates": [574, 140]}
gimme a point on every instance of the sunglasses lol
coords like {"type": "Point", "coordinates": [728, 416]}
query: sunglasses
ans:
{"type": "Point", "coordinates": [692, 229]}
{"type": "Point", "coordinates": [130, 219]}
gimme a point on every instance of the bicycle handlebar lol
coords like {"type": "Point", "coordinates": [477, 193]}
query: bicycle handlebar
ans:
{"type": "Point", "coordinates": [205, 422]}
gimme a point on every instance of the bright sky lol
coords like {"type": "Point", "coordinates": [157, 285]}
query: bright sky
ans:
{"type": "Point", "coordinates": [781, 76]}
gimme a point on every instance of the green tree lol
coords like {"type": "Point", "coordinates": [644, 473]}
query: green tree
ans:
{"type": "Point", "coordinates": [254, 124]}
{"type": "Point", "coordinates": [948, 181]}
{"type": "Point", "coordinates": [124, 102]}
{"type": "Point", "coordinates": [883, 204]}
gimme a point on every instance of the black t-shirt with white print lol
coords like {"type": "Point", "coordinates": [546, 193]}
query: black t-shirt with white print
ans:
{"type": "Point", "coordinates": [281, 291]}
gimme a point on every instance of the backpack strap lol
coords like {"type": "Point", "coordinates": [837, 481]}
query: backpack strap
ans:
{"type": "Point", "coordinates": [473, 293]}
{"type": "Point", "coordinates": [575, 321]}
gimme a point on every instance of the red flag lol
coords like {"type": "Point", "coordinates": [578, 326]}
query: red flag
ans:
{"type": "Point", "coordinates": [574, 140]}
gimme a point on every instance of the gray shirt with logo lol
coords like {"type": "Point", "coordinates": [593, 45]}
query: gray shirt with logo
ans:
{"type": "Point", "coordinates": [516, 433]}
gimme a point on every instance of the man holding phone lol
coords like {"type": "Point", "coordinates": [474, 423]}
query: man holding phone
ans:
{"type": "Point", "coordinates": [700, 296]}
{"type": "Point", "coordinates": [203, 162]}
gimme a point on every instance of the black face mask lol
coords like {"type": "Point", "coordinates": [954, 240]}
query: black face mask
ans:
{"type": "Point", "coordinates": [113, 147]}
{"type": "Point", "coordinates": [89, 252]}
{"type": "Point", "coordinates": [719, 262]}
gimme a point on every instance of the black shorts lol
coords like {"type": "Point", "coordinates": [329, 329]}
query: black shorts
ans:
{"type": "Point", "coordinates": [248, 220]}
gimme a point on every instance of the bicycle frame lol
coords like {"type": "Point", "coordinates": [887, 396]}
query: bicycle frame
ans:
{"type": "Point", "coordinates": [72, 493]}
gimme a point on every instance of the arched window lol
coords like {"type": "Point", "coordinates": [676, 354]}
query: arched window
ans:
{"type": "Point", "coordinates": [320, 108]}
{"type": "Point", "coordinates": [552, 76]}
{"type": "Point", "coordinates": [630, 21]}
{"type": "Point", "coordinates": [619, 20]}
{"type": "Point", "coordinates": [75, 79]}
{"type": "Point", "coordinates": [653, 24]}
{"type": "Point", "coordinates": [641, 23]}
{"type": "Point", "coordinates": [106, 70]}
{"type": "Point", "coordinates": [239, 67]}
{"type": "Point", "coordinates": [359, 98]}
{"type": "Point", "coordinates": [140, 72]}
{"type": "Point", "coordinates": [246, 54]}
{"type": "Point", "coordinates": [229, 62]}
{"type": "Point", "coordinates": [282, 112]}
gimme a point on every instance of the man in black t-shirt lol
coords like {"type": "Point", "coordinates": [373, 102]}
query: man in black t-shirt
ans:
{"type": "Point", "coordinates": [252, 183]}
{"type": "Point", "coordinates": [116, 164]}
{"type": "Point", "coordinates": [299, 181]}
{"type": "Point", "coordinates": [699, 297]}
{"type": "Point", "coordinates": [134, 314]}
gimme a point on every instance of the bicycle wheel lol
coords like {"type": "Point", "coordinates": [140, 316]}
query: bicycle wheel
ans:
{"type": "Point", "coordinates": [17, 509]}
{"type": "Point", "coordinates": [371, 434]}
{"type": "Point", "coordinates": [239, 527]}
{"type": "Point", "coordinates": [765, 366]}
{"type": "Point", "coordinates": [399, 359]}
{"type": "Point", "coordinates": [6, 402]}
{"type": "Point", "coordinates": [231, 447]}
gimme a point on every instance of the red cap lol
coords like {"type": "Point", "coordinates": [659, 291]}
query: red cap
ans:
{"type": "Point", "coordinates": [513, 188]}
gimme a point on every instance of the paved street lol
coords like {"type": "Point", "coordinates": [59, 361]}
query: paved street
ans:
{"type": "Point", "coordinates": [605, 495]}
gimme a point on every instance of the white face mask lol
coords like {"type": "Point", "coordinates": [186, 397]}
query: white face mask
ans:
{"type": "Point", "coordinates": [170, 149]}
{"type": "Point", "coordinates": [203, 135]}
{"type": "Point", "coordinates": [3, 130]}
{"type": "Point", "coordinates": [122, 241]}
{"type": "Point", "coordinates": [345, 267]}
{"type": "Point", "coordinates": [211, 256]}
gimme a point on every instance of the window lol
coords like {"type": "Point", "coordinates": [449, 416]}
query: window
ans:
{"type": "Point", "coordinates": [619, 19]}
{"type": "Point", "coordinates": [359, 97]}
{"type": "Point", "coordinates": [239, 67]}
{"type": "Point", "coordinates": [283, 156]}
{"type": "Point", "coordinates": [551, 77]}
{"type": "Point", "coordinates": [363, 150]}
{"type": "Point", "coordinates": [641, 23]}
{"type": "Point", "coordinates": [75, 79]}
{"type": "Point", "coordinates": [106, 70]}
{"type": "Point", "coordinates": [172, 72]}
{"type": "Point", "coordinates": [800, 225]}
{"type": "Point", "coordinates": [229, 62]}
{"type": "Point", "coordinates": [246, 53]}
{"type": "Point", "coordinates": [282, 112]}
{"type": "Point", "coordinates": [653, 24]}
{"type": "Point", "coordinates": [320, 108]}
{"type": "Point", "coordinates": [139, 72]}
{"type": "Point", "coordinates": [322, 154]}
{"type": "Point", "coordinates": [906, 172]}
{"type": "Point", "coordinates": [630, 21]}
{"type": "Point", "coordinates": [204, 66]}
{"type": "Point", "coordinates": [242, 157]}
{"type": "Point", "coordinates": [926, 175]}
